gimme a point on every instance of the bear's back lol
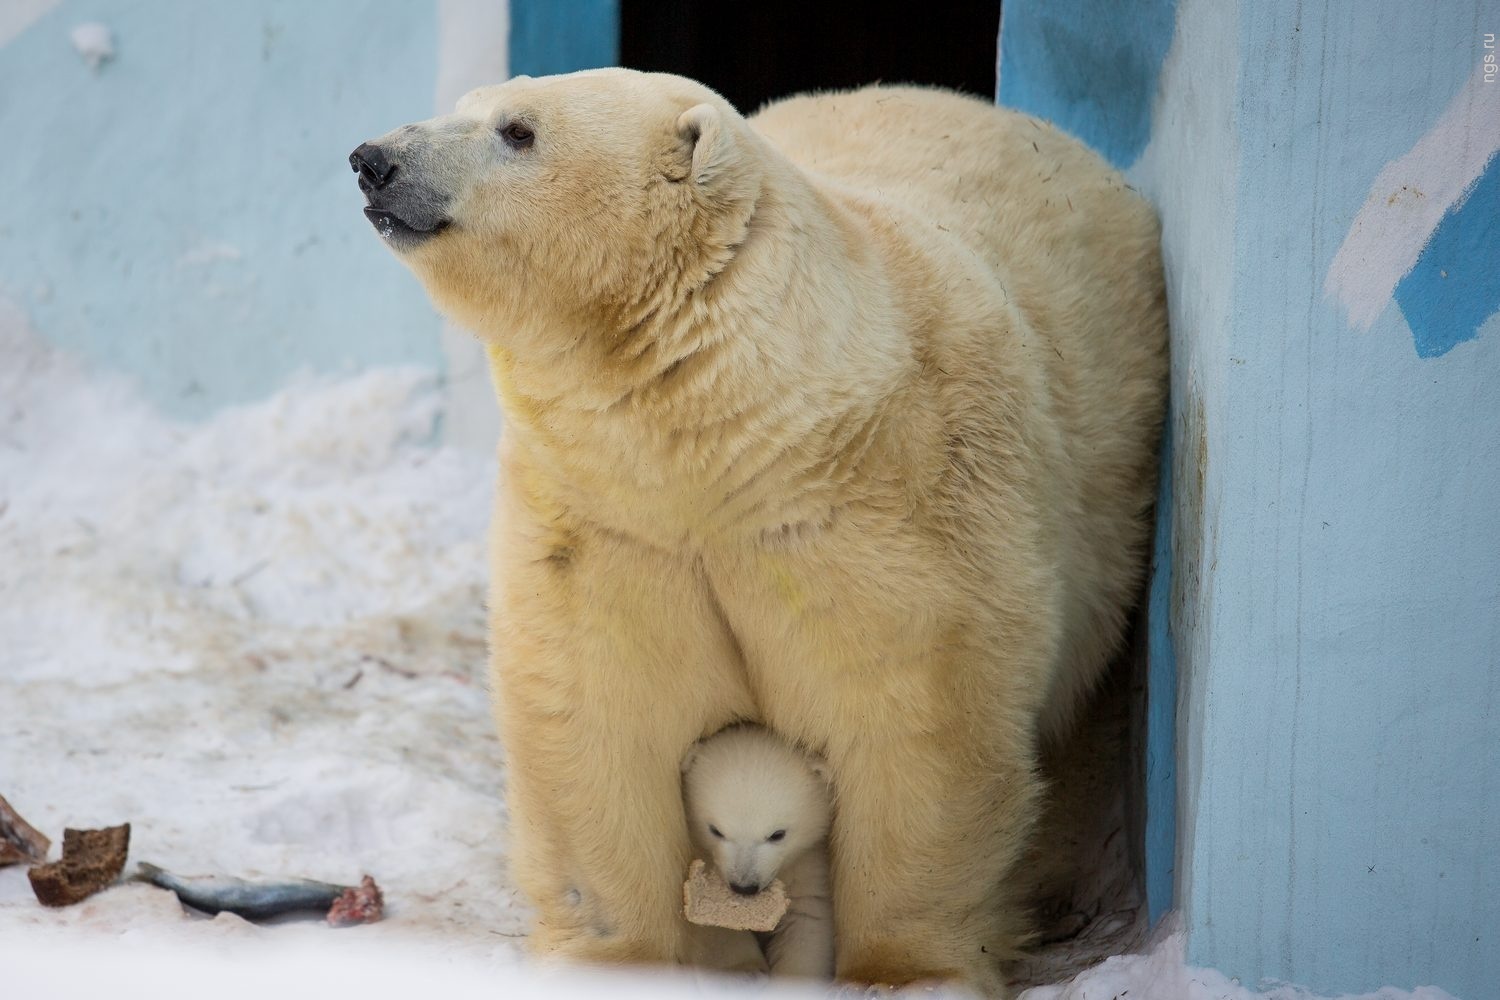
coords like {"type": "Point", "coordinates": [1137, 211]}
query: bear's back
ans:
{"type": "Point", "coordinates": [1002, 182]}
{"type": "Point", "coordinates": [1073, 250]}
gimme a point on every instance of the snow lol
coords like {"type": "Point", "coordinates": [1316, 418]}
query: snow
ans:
{"type": "Point", "coordinates": [260, 640]}
{"type": "Point", "coordinates": [1162, 973]}
{"type": "Point", "coordinates": [94, 42]}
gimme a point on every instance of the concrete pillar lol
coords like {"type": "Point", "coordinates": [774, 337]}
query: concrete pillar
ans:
{"type": "Point", "coordinates": [1325, 608]}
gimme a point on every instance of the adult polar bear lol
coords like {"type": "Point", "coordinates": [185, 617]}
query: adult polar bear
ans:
{"type": "Point", "coordinates": [841, 419]}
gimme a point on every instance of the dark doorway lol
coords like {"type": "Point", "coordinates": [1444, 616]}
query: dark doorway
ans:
{"type": "Point", "coordinates": [752, 52]}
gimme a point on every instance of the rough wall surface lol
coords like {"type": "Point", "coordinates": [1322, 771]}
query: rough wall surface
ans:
{"type": "Point", "coordinates": [1325, 607]}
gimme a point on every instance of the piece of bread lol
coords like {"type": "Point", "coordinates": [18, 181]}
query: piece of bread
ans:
{"type": "Point", "coordinates": [91, 860]}
{"type": "Point", "coordinates": [708, 901]}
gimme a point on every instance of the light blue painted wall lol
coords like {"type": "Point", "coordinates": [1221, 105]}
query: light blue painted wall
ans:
{"type": "Point", "coordinates": [1333, 608]}
{"type": "Point", "coordinates": [1348, 779]}
{"type": "Point", "coordinates": [186, 214]}
{"type": "Point", "coordinates": [189, 216]}
{"type": "Point", "coordinates": [1092, 65]}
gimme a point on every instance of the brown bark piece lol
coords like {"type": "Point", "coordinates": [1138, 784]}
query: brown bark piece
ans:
{"type": "Point", "coordinates": [708, 901]}
{"type": "Point", "coordinates": [19, 840]}
{"type": "Point", "coordinates": [91, 860]}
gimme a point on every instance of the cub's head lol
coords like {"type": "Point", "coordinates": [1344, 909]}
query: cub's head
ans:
{"type": "Point", "coordinates": [754, 803]}
{"type": "Point", "coordinates": [564, 197]}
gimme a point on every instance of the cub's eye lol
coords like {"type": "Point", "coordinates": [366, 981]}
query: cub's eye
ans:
{"type": "Point", "coordinates": [778, 835]}
{"type": "Point", "coordinates": [517, 135]}
{"type": "Point", "coordinates": [715, 831]}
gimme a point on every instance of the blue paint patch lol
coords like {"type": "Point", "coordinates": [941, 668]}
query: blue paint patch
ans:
{"type": "Point", "coordinates": [1455, 285]}
{"type": "Point", "coordinates": [1089, 66]}
{"type": "Point", "coordinates": [1161, 707]}
{"type": "Point", "coordinates": [560, 36]}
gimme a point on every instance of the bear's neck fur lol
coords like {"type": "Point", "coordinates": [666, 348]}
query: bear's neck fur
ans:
{"type": "Point", "coordinates": [769, 374]}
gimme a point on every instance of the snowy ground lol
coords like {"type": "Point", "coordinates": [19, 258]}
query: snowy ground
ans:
{"type": "Point", "coordinates": [260, 641]}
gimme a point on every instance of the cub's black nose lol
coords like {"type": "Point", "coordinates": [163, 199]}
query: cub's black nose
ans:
{"type": "Point", "coordinates": [372, 165]}
{"type": "Point", "coordinates": [744, 890]}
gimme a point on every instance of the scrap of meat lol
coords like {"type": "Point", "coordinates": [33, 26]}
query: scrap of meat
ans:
{"type": "Point", "coordinates": [20, 842]}
{"type": "Point", "coordinates": [362, 905]}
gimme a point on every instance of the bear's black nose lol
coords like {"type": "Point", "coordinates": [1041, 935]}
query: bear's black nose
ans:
{"type": "Point", "coordinates": [744, 890]}
{"type": "Point", "coordinates": [373, 166]}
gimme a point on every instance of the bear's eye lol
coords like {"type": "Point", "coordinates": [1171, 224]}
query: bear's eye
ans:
{"type": "Point", "coordinates": [518, 135]}
{"type": "Point", "coordinates": [715, 831]}
{"type": "Point", "coordinates": [778, 835]}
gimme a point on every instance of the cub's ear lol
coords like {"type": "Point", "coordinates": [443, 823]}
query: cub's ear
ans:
{"type": "Point", "coordinates": [819, 767]}
{"type": "Point", "coordinates": [691, 757]}
{"type": "Point", "coordinates": [709, 142]}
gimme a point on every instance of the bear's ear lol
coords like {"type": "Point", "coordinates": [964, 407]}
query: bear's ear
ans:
{"type": "Point", "coordinates": [709, 143]}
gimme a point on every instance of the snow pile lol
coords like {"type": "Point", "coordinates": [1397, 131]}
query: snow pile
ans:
{"type": "Point", "coordinates": [260, 640]}
{"type": "Point", "coordinates": [1162, 973]}
{"type": "Point", "coordinates": [235, 968]}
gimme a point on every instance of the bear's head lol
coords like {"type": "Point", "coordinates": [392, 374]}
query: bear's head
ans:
{"type": "Point", "coordinates": [754, 804]}
{"type": "Point", "coordinates": [568, 200]}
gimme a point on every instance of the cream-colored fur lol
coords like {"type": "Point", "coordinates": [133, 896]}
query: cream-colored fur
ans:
{"type": "Point", "coordinates": [841, 419]}
{"type": "Point", "coordinates": [758, 809]}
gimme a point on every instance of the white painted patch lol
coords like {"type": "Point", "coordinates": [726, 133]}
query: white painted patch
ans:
{"type": "Point", "coordinates": [95, 42]}
{"type": "Point", "coordinates": [1189, 169]}
{"type": "Point", "coordinates": [18, 15]}
{"type": "Point", "coordinates": [1409, 199]}
{"type": "Point", "coordinates": [209, 252]}
{"type": "Point", "coordinates": [473, 50]}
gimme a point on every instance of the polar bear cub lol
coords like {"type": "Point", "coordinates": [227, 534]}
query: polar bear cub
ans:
{"type": "Point", "coordinates": [760, 809]}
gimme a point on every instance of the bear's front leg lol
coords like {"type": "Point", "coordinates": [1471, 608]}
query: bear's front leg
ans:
{"type": "Point", "coordinates": [608, 663]}
{"type": "Point", "coordinates": [929, 827]}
